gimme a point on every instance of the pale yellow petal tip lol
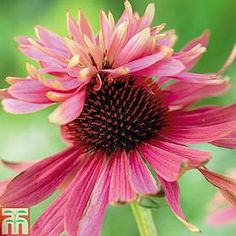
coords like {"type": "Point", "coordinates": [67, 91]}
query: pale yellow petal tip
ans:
{"type": "Point", "coordinates": [85, 74]}
{"type": "Point", "coordinates": [54, 118]}
{"type": "Point", "coordinates": [74, 61]}
{"type": "Point", "coordinates": [231, 58]}
{"type": "Point", "coordinates": [123, 71]}
{"type": "Point", "coordinates": [190, 226]}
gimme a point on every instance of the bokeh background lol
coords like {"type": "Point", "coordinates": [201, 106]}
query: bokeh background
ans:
{"type": "Point", "coordinates": [31, 137]}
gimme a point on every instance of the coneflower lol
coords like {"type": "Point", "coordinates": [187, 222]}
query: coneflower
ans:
{"type": "Point", "coordinates": [118, 121]}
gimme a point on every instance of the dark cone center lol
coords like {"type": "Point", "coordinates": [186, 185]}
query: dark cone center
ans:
{"type": "Point", "coordinates": [118, 116]}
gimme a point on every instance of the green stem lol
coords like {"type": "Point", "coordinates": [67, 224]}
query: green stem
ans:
{"type": "Point", "coordinates": [143, 217]}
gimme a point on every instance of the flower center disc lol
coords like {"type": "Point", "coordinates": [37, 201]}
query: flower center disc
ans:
{"type": "Point", "coordinates": [118, 116]}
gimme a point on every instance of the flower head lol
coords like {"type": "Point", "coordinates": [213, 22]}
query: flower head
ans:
{"type": "Point", "coordinates": [118, 122]}
{"type": "Point", "coordinates": [129, 48]}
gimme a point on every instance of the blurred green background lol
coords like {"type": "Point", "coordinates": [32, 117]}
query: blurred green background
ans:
{"type": "Point", "coordinates": [32, 137]}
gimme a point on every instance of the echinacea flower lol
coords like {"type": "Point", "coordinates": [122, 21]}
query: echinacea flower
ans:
{"type": "Point", "coordinates": [223, 212]}
{"type": "Point", "coordinates": [118, 122]}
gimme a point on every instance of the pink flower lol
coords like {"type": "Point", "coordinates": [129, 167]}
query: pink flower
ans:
{"type": "Point", "coordinates": [128, 48]}
{"type": "Point", "coordinates": [118, 122]}
{"type": "Point", "coordinates": [224, 212]}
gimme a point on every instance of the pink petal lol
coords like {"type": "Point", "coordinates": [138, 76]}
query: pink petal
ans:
{"type": "Point", "coordinates": [140, 178]}
{"type": "Point", "coordinates": [70, 109]}
{"type": "Point", "coordinates": [107, 25]}
{"type": "Point", "coordinates": [148, 17]}
{"type": "Point", "coordinates": [31, 91]}
{"type": "Point", "coordinates": [223, 216]}
{"type": "Point", "coordinates": [20, 107]}
{"type": "Point", "coordinates": [74, 30]}
{"type": "Point", "coordinates": [91, 221]}
{"type": "Point", "coordinates": [134, 49]}
{"type": "Point", "coordinates": [40, 180]}
{"type": "Point", "coordinates": [120, 190]}
{"type": "Point", "coordinates": [228, 141]}
{"type": "Point", "coordinates": [211, 79]}
{"type": "Point", "coordinates": [4, 94]}
{"type": "Point", "coordinates": [220, 181]}
{"type": "Point", "coordinates": [118, 40]}
{"type": "Point", "coordinates": [168, 165]}
{"type": "Point", "coordinates": [21, 166]}
{"type": "Point", "coordinates": [195, 157]}
{"type": "Point", "coordinates": [139, 65]}
{"type": "Point", "coordinates": [194, 135]}
{"type": "Point", "coordinates": [168, 67]}
{"type": "Point", "coordinates": [3, 185]}
{"type": "Point", "coordinates": [167, 39]}
{"type": "Point", "coordinates": [51, 222]}
{"type": "Point", "coordinates": [203, 41]}
{"type": "Point", "coordinates": [85, 27]}
{"type": "Point", "coordinates": [83, 186]}
{"type": "Point", "coordinates": [172, 194]}
{"type": "Point", "coordinates": [51, 40]}
{"type": "Point", "coordinates": [41, 54]}
{"type": "Point", "coordinates": [211, 116]}
{"type": "Point", "coordinates": [182, 94]}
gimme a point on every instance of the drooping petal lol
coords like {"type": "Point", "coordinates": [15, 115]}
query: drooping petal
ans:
{"type": "Point", "coordinates": [120, 189]}
{"type": "Point", "coordinates": [40, 180]}
{"type": "Point", "coordinates": [220, 181]}
{"type": "Point", "coordinates": [70, 109]}
{"type": "Point", "coordinates": [172, 194]}
{"type": "Point", "coordinates": [141, 179]}
{"type": "Point", "coordinates": [19, 107]}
